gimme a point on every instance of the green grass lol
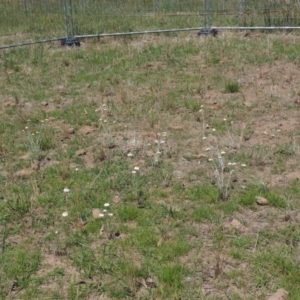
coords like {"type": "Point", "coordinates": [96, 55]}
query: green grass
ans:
{"type": "Point", "coordinates": [232, 87]}
{"type": "Point", "coordinates": [134, 102]}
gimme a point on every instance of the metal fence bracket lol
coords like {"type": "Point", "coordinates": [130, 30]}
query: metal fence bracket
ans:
{"type": "Point", "coordinates": [206, 31]}
{"type": "Point", "coordinates": [70, 42]}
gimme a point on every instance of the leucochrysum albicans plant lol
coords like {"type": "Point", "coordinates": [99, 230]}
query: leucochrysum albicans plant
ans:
{"type": "Point", "coordinates": [222, 168]}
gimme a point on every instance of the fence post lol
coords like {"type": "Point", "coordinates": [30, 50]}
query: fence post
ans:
{"type": "Point", "coordinates": [210, 15]}
{"type": "Point", "coordinates": [242, 11]}
{"type": "Point", "coordinates": [204, 14]}
{"type": "Point", "coordinates": [69, 40]}
{"type": "Point", "coordinates": [156, 6]}
{"type": "Point", "coordinates": [25, 5]}
{"type": "Point", "coordinates": [84, 5]}
{"type": "Point", "coordinates": [206, 29]}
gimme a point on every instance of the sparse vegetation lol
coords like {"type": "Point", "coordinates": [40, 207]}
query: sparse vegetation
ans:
{"type": "Point", "coordinates": [232, 87]}
{"type": "Point", "coordinates": [127, 172]}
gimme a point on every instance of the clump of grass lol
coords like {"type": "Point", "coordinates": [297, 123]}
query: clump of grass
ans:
{"type": "Point", "coordinates": [204, 212]}
{"type": "Point", "coordinates": [232, 87]}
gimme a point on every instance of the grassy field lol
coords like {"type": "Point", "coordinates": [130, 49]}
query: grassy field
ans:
{"type": "Point", "coordinates": [151, 167]}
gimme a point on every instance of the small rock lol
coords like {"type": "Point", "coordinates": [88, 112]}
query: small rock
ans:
{"type": "Point", "coordinates": [141, 162]}
{"type": "Point", "coordinates": [24, 173]}
{"type": "Point", "coordinates": [35, 165]}
{"type": "Point", "coordinates": [149, 134]}
{"type": "Point", "coordinates": [9, 104]}
{"type": "Point", "coordinates": [44, 103]}
{"type": "Point", "coordinates": [80, 152]}
{"type": "Point", "coordinates": [25, 156]}
{"type": "Point", "coordinates": [175, 127]}
{"type": "Point", "coordinates": [149, 153]}
{"type": "Point", "coordinates": [281, 294]}
{"type": "Point", "coordinates": [236, 224]}
{"type": "Point", "coordinates": [261, 200]}
{"type": "Point", "coordinates": [71, 130]}
{"type": "Point", "coordinates": [96, 213]}
{"type": "Point", "coordinates": [87, 130]}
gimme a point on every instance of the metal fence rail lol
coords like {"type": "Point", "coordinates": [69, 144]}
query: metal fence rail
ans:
{"type": "Point", "coordinates": [29, 21]}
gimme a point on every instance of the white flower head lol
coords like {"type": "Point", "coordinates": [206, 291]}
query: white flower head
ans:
{"type": "Point", "coordinates": [133, 172]}
{"type": "Point", "coordinates": [66, 190]}
{"type": "Point", "coordinates": [104, 210]}
{"type": "Point", "coordinates": [223, 152]}
{"type": "Point", "coordinates": [136, 168]}
{"type": "Point", "coordinates": [204, 138]}
{"type": "Point", "coordinates": [214, 129]}
{"type": "Point", "coordinates": [101, 215]}
{"type": "Point", "coordinates": [65, 214]}
{"type": "Point", "coordinates": [207, 149]}
{"type": "Point", "coordinates": [130, 154]}
{"type": "Point", "coordinates": [106, 204]}
{"type": "Point", "coordinates": [229, 164]}
{"type": "Point", "coordinates": [210, 159]}
{"type": "Point", "coordinates": [224, 119]}
{"type": "Point", "coordinates": [243, 165]}
{"type": "Point", "coordinates": [110, 214]}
